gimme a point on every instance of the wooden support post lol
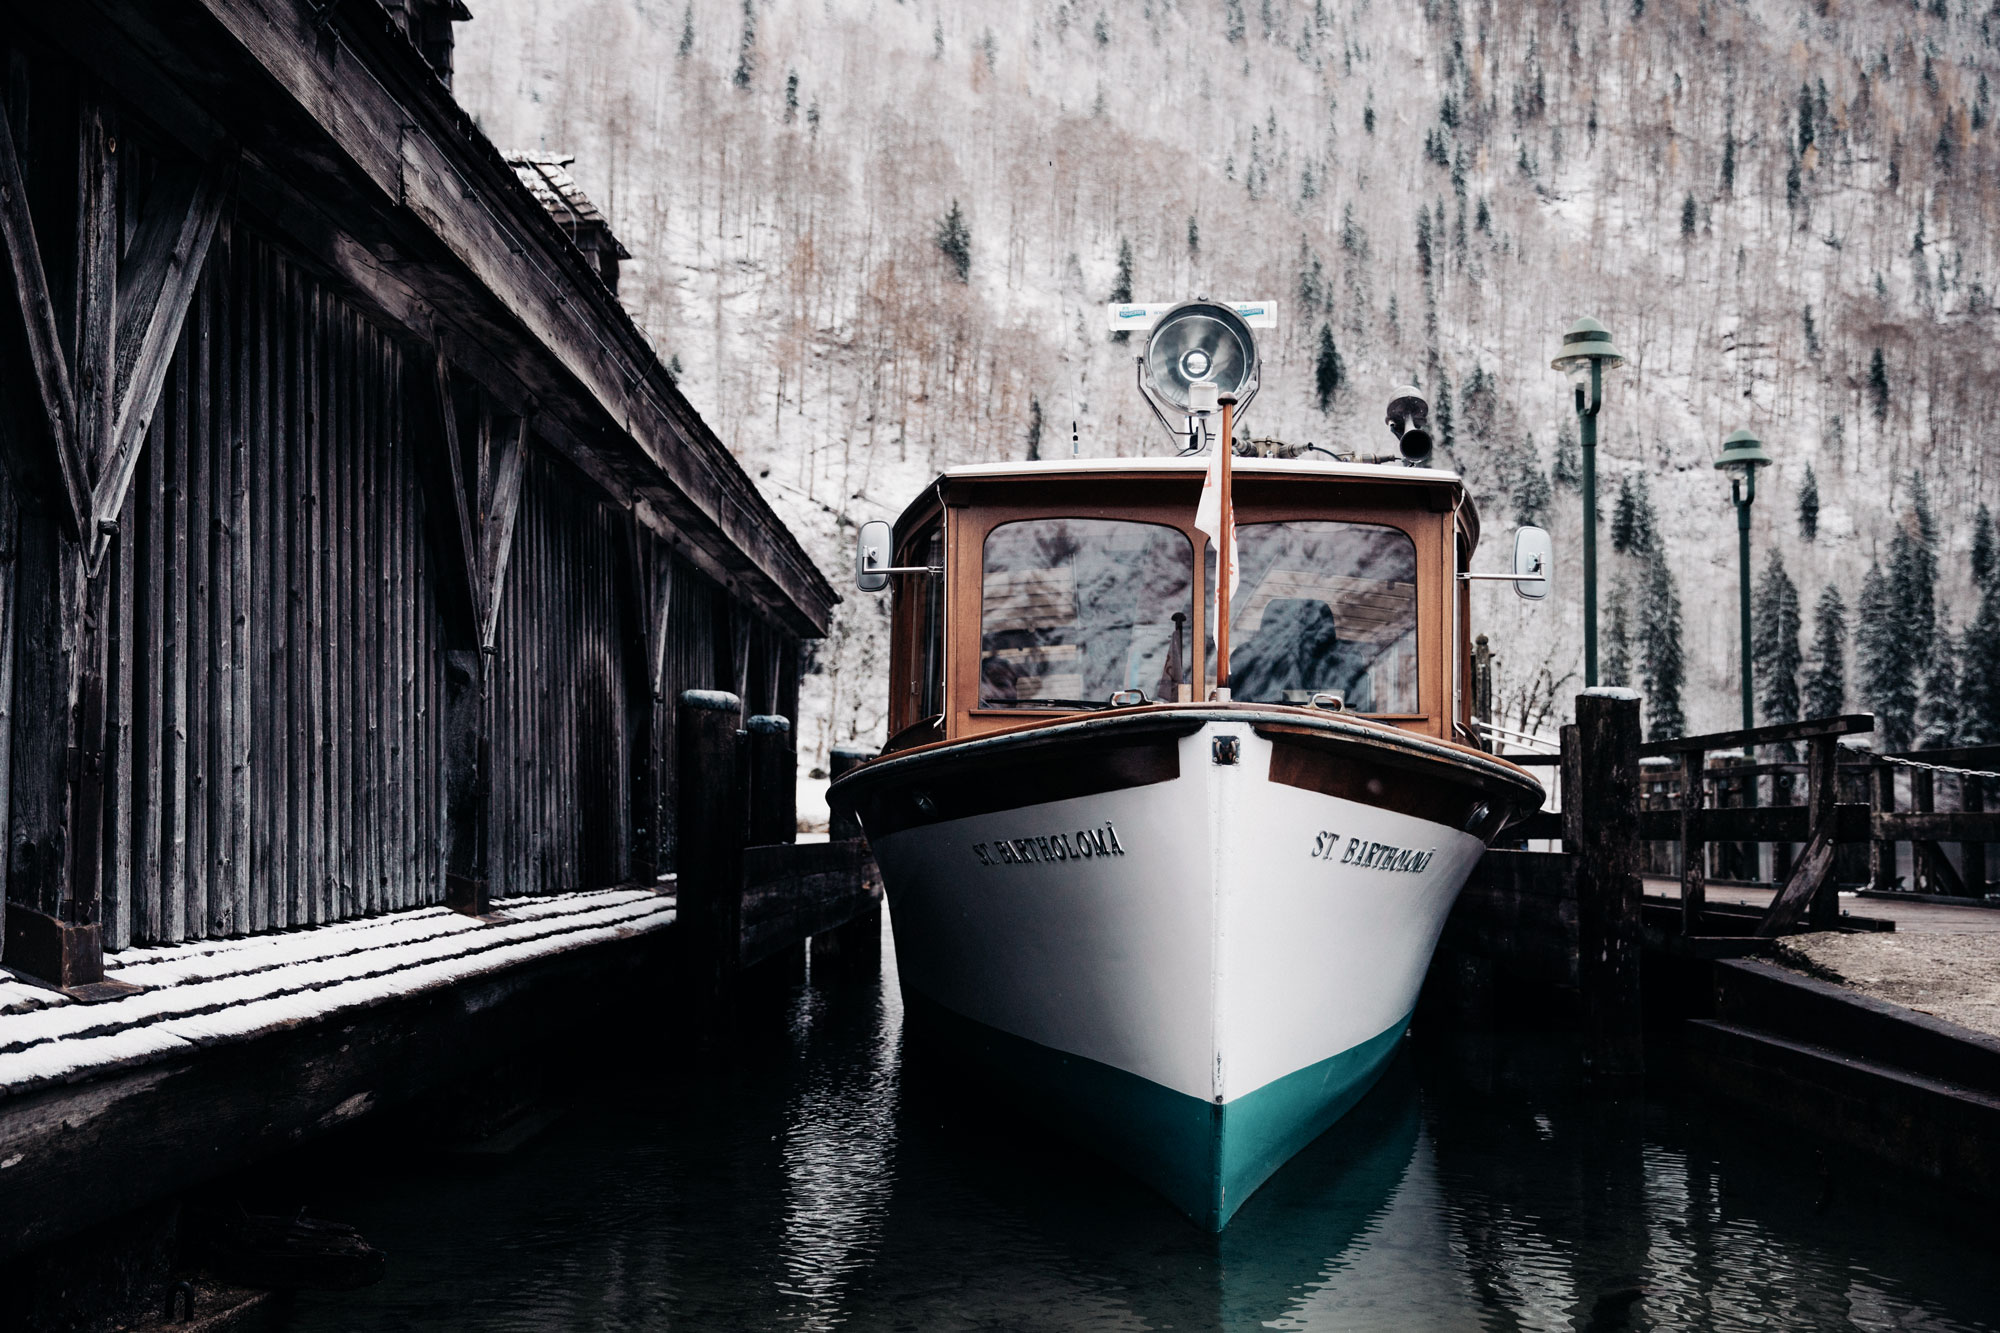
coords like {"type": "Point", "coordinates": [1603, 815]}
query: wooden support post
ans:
{"type": "Point", "coordinates": [1972, 797]}
{"type": "Point", "coordinates": [1606, 792]}
{"type": "Point", "coordinates": [709, 882]}
{"type": "Point", "coordinates": [1923, 800]}
{"type": "Point", "coordinates": [1822, 794]}
{"type": "Point", "coordinates": [852, 952]}
{"type": "Point", "coordinates": [774, 778]}
{"type": "Point", "coordinates": [1694, 850]}
{"type": "Point", "coordinates": [842, 759]}
{"type": "Point", "coordinates": [467, 782]}
{"type": "Point", "coordinates": [1882, 852]}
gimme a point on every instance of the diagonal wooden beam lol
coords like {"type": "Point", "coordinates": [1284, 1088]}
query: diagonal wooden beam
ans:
{"type": "Point", "coordinates": [656, 643]}
{"type": "Point", "coordinates": [468, 537]}
{"type": "Point", "coordinates": [497, 529]}
{"type": "Point", "coordinates": [155, 288]}
{"type": "Point", "coordinates": [45, 350]}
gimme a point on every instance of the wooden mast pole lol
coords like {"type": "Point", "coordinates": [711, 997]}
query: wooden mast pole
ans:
{"type": "Point", "coordinates": [1225, 543]}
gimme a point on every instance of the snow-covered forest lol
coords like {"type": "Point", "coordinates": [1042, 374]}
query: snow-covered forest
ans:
{"type": "Point", "coordinates": [1788, 214]}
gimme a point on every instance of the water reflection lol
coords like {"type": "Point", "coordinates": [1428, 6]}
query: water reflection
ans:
{"type": "Point", "coordinates": [835, 1181]}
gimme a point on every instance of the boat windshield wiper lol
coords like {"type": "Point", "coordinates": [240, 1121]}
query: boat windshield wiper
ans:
{"type": "Point", "coordinates": [1044, 703]}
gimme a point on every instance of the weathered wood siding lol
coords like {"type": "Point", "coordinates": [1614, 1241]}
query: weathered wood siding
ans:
{"type": "Point", "coordinates": [562, 679]}
{"type": "Point", "coordinates": [273, 675]}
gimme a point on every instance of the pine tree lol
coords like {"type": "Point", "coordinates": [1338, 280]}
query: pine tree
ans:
{"type": "Point", "coordinates": [954, 241]}
{"type": "Point", "coordinates": [1569, 459]}
{"type": "Point", "coordinates": [1617, 661]}
{"type": "Point", "coordinates": [686, 48]}
{"type": "Point", "coordinates": [1121, 287]}
{"type": "Point", "coordinates": [1688, 218]}
{"type": "Point", "coordinates": [1329, 372]}
{"type": "Point", "coordinates": [1774, 644]}
{"type": "Point", "coordinates": [1194, 237]}
{"type": "Point", "coordinates": [1632, 521]}
{"type": "Point", "coordinates": [1937, 711]}
{"type": "Point", "coordinates": [1979, 677]}
{"type": "Point", "coordinates": [1985, 554]}
{"type": "Point", "coordinates": [1826, 687]}
{"type": "Point", "coordinates": [1887, 669]}
{"type": "Point", "coordinates": [1809, 505]}
{"type": "Point", "coordinates": [1624, 516]}
{"type": "Point", "coordinates": [1660, 649]}
{"type": "Point", "coordinates": [746, 53]}
{"type": "Point", "coordinates": [1532, 496]}
{"type": "Point", "coordinates": [1878, 384]}
{"type": "Point", "coordinates": [791, 97]}
{"type": "Point", "coordinates": [1034, 429]}
{"type": "Point", "coordinates": [1444, 413]}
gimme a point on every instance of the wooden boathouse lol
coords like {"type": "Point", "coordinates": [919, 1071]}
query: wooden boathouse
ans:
{"type": "Point", "coordinates": [355, 545]}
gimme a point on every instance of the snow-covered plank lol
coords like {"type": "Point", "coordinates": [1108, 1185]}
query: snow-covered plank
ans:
{"type": "Point", "coordinates": [21, 1031]}
{"type": "Point", "coordinates": [82, 1056]}
{"type": "Point", "coordinates": [179, 964]}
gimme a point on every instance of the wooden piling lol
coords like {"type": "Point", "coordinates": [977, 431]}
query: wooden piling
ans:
{"type": "Point", "coordinates": [840, 760]}
{"type": "Point", "coordinates": [774, 776]}
{"type": "Point", "coordinates": [709, 866]}
{"type": "Point", "coordinates": [850, 952]}
{"type": "Point", "coordinates": [1601, 807]}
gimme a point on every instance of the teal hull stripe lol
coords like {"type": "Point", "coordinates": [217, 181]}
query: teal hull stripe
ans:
{"type": "Point", "coordinates": [1207, 1159]}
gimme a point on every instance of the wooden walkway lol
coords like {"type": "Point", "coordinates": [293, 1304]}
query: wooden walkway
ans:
{"type": "Point", "coordinates": [209, 992]}
{"type": "Point", "coordinates": [1910, 916]}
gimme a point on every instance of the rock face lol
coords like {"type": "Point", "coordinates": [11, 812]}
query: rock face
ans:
{"type": "Point", "coordinates": [876, 239]}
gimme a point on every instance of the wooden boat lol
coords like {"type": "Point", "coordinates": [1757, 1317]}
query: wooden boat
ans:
{"type": "Point", "coordinates": [1184, 923]}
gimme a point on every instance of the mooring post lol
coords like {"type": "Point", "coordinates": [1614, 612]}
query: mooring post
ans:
{"type": "Point", "coordinates": [850, 952]}
{"type": "Point", "coordinates": [1605, 790]}
{"type": "Point", "coordinates": [842, 759]}
{"type": "Point", "coordinates": [774, 780]}
{"type": "Point", "coordinates": [1694, 849]}
{"type": "Point", "coordinates": [1822, 796]}
{"type": "Point", "coordinates": [709, 880]}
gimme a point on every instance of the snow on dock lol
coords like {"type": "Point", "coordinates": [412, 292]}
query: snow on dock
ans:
{"type": "Point", "coordinates": [207, 992]}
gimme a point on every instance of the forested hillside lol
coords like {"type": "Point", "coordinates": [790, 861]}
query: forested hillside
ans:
{"type": "Point", "coordinates": [875, 239]}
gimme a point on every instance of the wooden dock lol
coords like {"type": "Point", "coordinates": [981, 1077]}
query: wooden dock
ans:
{"type": "Point", "coordinates": [357, 555]}
{"type": "Point", "coordinates": [1670, 975]}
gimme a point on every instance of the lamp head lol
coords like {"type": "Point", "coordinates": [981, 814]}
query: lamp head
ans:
{"type": "Point", "coordinates": [1586, 341]}
{"type": "Point", "coordinates": [1742, 454]}
{"type": "Point", "coordinates": [1197, 343]}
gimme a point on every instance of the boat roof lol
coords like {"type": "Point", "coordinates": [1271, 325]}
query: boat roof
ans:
{"type": "Point", "coordinates": [1060, 469]}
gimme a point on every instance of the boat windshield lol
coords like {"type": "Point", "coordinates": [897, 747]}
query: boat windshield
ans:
{"type": "Point", "coordinates": [1324, 607]}
{"type": "Point", "coordinates": [1073, 610]}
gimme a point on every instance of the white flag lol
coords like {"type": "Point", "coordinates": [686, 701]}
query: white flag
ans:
{"type": "Point", "coordinates": [1208, 514]}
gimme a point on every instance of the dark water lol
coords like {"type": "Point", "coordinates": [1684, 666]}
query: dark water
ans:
{"type": "Point", "coordinates": [831, 1182]}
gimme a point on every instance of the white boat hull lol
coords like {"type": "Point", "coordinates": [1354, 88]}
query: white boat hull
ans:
{"type": "Point", "coordinates": [1196, 974]}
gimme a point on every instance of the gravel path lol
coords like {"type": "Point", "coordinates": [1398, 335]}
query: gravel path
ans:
{"type": "Point", "coordinates": [1955, 977]}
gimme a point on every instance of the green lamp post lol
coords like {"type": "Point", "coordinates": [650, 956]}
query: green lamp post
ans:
{"type": "Point", "coordinates": [1742, 455]}
{"type": "Point", "coordinates": [1586, 354]}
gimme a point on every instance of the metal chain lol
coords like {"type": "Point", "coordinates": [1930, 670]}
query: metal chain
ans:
{"type": "Point", "coordinates": [1937, 768]}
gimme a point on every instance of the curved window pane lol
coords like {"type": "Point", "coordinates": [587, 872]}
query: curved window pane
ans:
{"type": "Point", "coordinates": [1075, 609]}
{"type": "Point", "coordinates": [1323, 606]}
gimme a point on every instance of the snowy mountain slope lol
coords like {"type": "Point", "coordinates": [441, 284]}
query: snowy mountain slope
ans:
{"type": "Point", "coordinates": [1757, 198]}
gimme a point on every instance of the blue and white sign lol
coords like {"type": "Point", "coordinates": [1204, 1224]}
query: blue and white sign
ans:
{"type": "Point", "coordinates": [1131, 317]}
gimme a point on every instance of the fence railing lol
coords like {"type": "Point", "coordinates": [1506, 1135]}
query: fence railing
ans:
{"type": "Point", "coordinates": [1699, 806]}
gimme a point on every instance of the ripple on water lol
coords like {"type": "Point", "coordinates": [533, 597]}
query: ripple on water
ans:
{"type": "Point", "coordinates": [837, 1182]}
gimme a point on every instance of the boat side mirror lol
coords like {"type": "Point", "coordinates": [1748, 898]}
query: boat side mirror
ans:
{"type": "Point", "coordinates": [871, 556]}
{"type": "Point", "coordinates": [1534, 558]}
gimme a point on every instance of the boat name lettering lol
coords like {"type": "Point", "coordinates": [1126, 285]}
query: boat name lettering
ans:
{"type": "Point", "coordinates": [1078, 846]}
{"type": "Point", "coordinates": [1371, 855]}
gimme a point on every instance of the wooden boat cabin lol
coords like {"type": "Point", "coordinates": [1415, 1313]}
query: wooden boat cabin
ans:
{"type": "Point", "coordinates": [1073, 586]}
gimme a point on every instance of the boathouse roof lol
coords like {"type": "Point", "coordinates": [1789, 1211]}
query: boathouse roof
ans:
{"type": "Point", "coordinates": [349, 140]}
